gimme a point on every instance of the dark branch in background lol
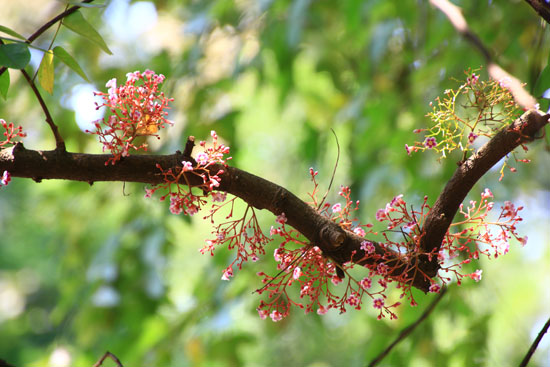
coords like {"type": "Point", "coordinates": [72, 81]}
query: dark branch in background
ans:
{"type": "Point", "coordinates": [340, 245]}
{"type": "Point", "coordinates": [409, 329]}
{"type": "Point", "coordinates": [454, 13]}
{"type": "Point", "coordinates": [59, 143]}
{"type": "Point", "coordinates": [105, 356]}
{"type": "Point", "coordinates": [542, 7]}
{"type": "Point", "coordinates": [47, 25]}
{"type": "Point", "coordinates": [535, 344]}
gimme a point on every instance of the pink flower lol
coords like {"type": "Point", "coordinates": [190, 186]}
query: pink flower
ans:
{"type": "Point", "coordinates": [359, 231]}
{"type": "Point", "coordinates": [378, 303]}
{"type": "Point", "coordinates": [353, 299]}
{"type": "Point", "coordinates": [523, 240]}
{"type": "Point", "coordinates": [382, 269]}
{"type": "Point", "coordinates": [476, 275]}
{"type": "Point", "coordinates": [297, 272]}
{"type": "Point", "coordinates": [486, 194]}
{"type": "Point", "coordinates": [430, 142]}
{"type": "Point", "coordinates": [368, 247]}
{"type": "Point", "coordinates": [398, 200]}
{"type": "Point", "coordinates": [408, 149]}
{"type": "Point", "coordinates": [322, 310]}
{"type": "Point", "coordinates": [176, 204]}
{"type": "Point", "coordinates": [202, 158]}
{"type": "Point", "coordinates": [277, 255]}
{"type": "Point", "coordinates": [472, 80]}
{"type": "Point", "coordinates": [281, 218]}
{"type": "Point", "coordinates": [336, 208]}
{"type": "Point", "coordinates": [218, 196]}
{"type": "Point", "coordinates": [366, 283]}
{"type": "Point", "coordinates": [187, 166]}
{"type": "Point", "coordinates": [6, 178]}
{"type": "Point", "coordinates": [381, 215]}
{"type": "Point", "coordinates": [227, 273]}
{"type": "Point", "coordinates": [263, 313]}
{"type": "Point", "coordinates": [192, 209]}
{"type": "Point", "coordinates": [434, 288]}
{"type": "Point", "coordinates": [276, 316]}
{"type": "Point", "coordinates": [335, 280]}
{"type": "Point", "coordinates": [471, 137]}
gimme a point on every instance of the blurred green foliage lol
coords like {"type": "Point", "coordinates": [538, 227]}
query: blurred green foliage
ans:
{"type": "Point", "coordinates": [88, 269]}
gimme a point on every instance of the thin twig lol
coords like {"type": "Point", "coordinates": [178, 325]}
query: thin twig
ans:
{"type": "Point", "coordinates": [59, 143]}
{"type": "Point", "coordinates": [47, 25]}
{"type": "Point", "coordinates": [409, 329]}
{"type": "Point", "coordinates": [454, 14]}
{"type": "Point", "coordinates": [535, 344]}
{"type": "Point", "coordinates": [108, 355]}
{"type": "Point", "coordinates": [333, 172]}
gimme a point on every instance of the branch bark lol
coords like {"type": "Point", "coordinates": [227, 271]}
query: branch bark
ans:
{"type": "Point", "coordinates": [339, 244]}
{"type": "Point", "coordinates": [541, 7]}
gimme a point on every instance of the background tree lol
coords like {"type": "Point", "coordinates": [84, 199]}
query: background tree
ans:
{"type": "Point", "coordinates": [87, 269]}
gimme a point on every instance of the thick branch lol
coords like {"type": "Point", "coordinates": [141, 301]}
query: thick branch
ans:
{"type": "Point", "coordinates": [469, 172]}
{"type": "Point", "coordinates": [334, 241]}
{"type": "Point", "coordinates": [542, 8]}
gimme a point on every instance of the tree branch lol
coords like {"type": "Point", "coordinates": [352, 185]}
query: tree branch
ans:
{"type": "Point", "coordinates": [339, 244]}
{"type": "Point", "coordinates": [542, 8]}
{"type": "Point", "coordinates": [535, 344]}
{"type": "Point", "coordinates": [409, 329]}
{"type": "Point", "coordinates": [454, 13]}
{"type": "Point", "coordinates": [59, 143]}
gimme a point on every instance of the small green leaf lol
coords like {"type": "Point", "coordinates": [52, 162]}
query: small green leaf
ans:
{"type": "Point", "coordinates": [68, 60]}
{"type": "Point", "coordinates": [45, 72]}
{"type": "Point", "coordinates": [11, 32]}
{"type": "Point", "coordinates": [14, 55]}
{"type": "Point", "coordinates": [4, 84]}
{"type": "Point", "coordinates": [76, 23]}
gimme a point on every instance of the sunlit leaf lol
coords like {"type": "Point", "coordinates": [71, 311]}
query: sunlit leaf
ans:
{"type": "Point", "coordinates": [45, 72]}
{"type": "Point", "coordinates": [68, 60]}
{"type": "Point", "coordinates": [14, 55]}
{"type": "Point", "coordinates": [11, 32]}
{"type": "Point", "coordinates": [76, 23]}
{"type": "Point", "coordinates": [4, 84]}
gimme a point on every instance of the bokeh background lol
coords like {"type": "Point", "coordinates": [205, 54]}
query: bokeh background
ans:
{"type": "Point", "coordinates": [88, 269]}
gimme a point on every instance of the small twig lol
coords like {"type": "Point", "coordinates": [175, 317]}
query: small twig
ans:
{"type": "Point", "coordinates": [454, 13]}
{"type": "Point", "coordinates": [59, 143]}
{"type": "Point", "coordinates": [108, 355]}
{"type": "Point", "coordinates": [409, 329]}
{"type": "Point", "coordinates": [535, 344]}
{"type": "Point", "coordinates": [333, 171]}
{"type": "Point", "coordinates": [189, 145]}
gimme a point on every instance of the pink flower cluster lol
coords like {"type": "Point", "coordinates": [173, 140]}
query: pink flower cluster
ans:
{"type": "Point", "coordinates": [138, 108]}
{"type": "Point", "coordinates": [11, 132]}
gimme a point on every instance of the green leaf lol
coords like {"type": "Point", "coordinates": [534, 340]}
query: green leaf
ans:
{"type": "Point", "coordinates": [14, 55]}
{"type": "Point", "coordinates": [4, 84]}
{"type": "Point", "coordinates": [76, 23]}
{"type": "Point", "coordinates": [68, 60]}
{"type": "Point", "coordinates": [45, 72]}
{"type": "Point", "coordinates": [11, 32]}
{"type": "Point", "coordinates": [543, 82]}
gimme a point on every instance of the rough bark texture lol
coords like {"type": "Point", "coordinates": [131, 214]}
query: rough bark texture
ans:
{"type": "Point", "coordinates": [339, 244]}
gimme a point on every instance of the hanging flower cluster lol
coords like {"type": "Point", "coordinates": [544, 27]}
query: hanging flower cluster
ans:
{"type": "Point", "coordinates": [138, 108]}
{"type": "Point", "coordinates": [184, 196]}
